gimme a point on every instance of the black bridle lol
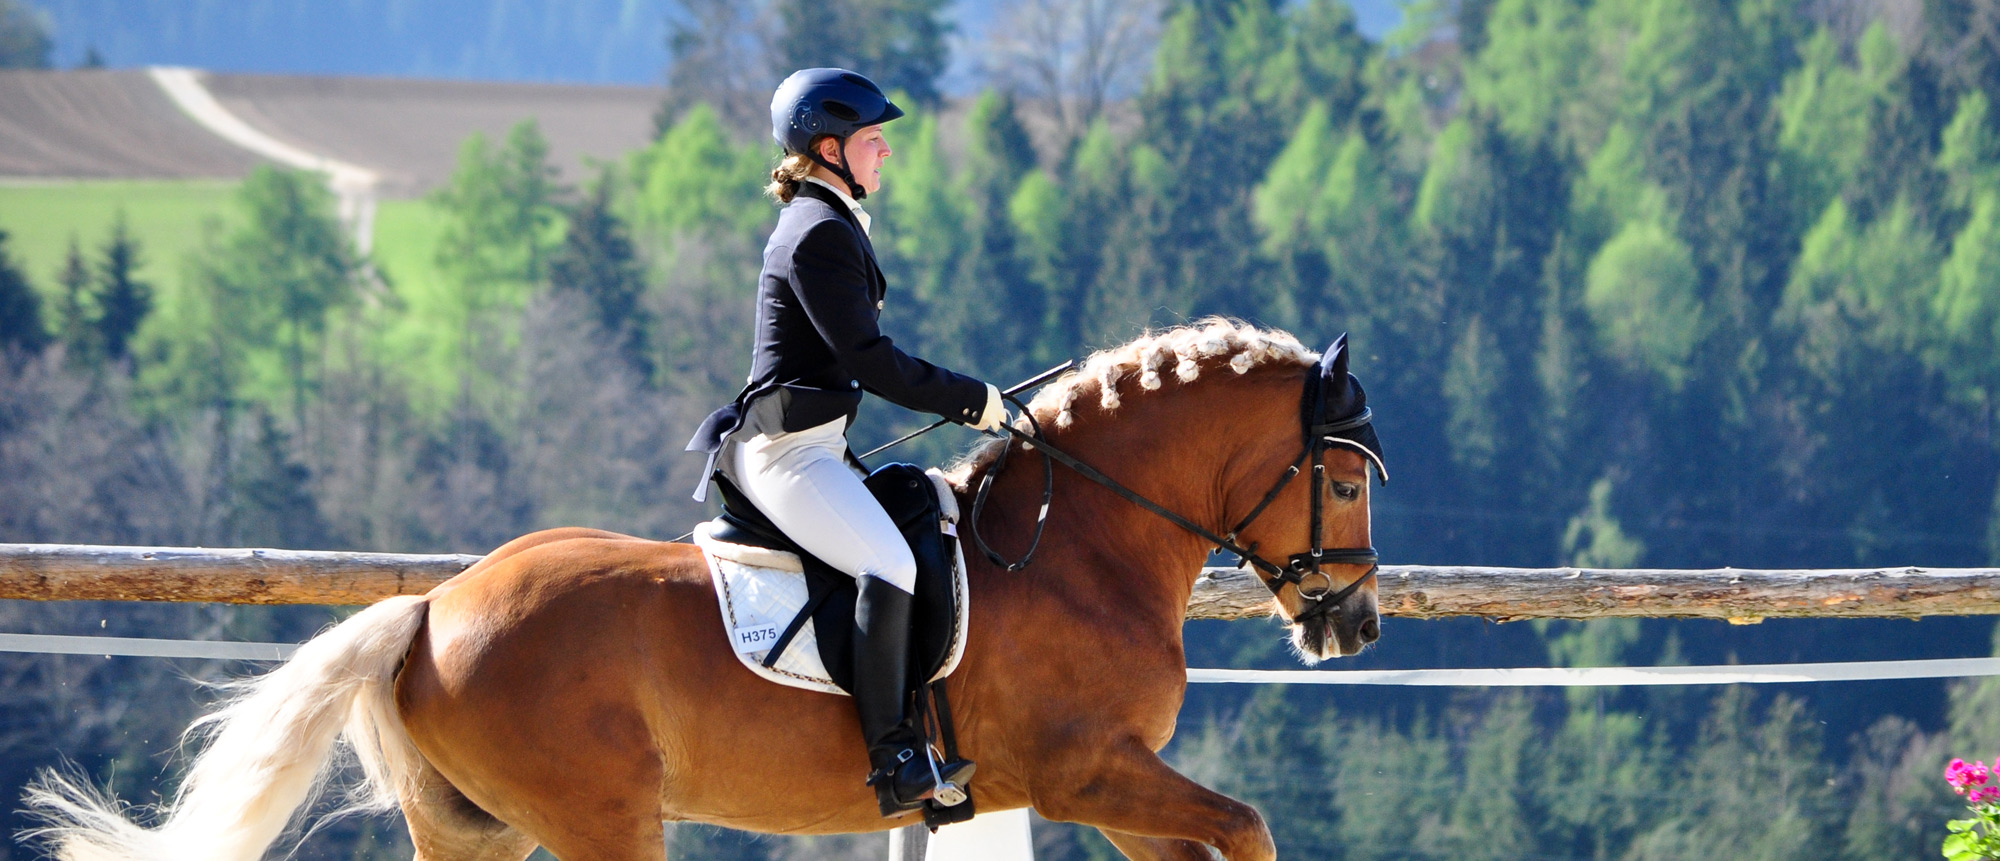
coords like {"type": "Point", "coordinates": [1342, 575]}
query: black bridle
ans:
{"type": "Point", "coordinates": [1298, 570]}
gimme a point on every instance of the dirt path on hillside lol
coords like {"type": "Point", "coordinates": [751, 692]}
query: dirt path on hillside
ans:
{"type": "Point", "coordinates": [410, 131]}
{"type": "Point", "coordinates": [120, 124]}
{"type": "Point", "coordinates": [105, 124]}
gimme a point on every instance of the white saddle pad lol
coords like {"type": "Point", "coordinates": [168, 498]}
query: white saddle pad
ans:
{"type": "Point", "coordinates": [760, 591]}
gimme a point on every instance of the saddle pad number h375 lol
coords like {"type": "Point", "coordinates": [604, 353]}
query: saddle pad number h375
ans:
{"type": "Point", "coordinates": [754, 638]}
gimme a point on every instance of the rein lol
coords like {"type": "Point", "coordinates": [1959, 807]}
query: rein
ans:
{"type": "Point", "coordinates": [1298, 569]}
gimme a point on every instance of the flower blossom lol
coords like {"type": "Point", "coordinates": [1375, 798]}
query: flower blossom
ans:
{"type": "Point", "coordinates": [1965, 777]}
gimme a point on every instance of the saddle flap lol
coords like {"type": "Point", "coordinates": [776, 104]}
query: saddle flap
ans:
{"type": "Point", "coordinates": [815, 650]}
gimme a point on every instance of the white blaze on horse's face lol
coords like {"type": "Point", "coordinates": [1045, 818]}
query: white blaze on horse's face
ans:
{"type": "Point", "coordinates": [1347, 629]}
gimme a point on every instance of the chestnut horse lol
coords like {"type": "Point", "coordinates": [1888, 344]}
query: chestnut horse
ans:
{"type": "Point", "coordinates": [575, 688]}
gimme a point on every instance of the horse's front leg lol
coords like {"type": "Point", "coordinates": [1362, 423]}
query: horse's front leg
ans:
{"type": "Point", "coordinates": [1157, 848]}
{"type": "Point", "coordinates": [1127, 789]}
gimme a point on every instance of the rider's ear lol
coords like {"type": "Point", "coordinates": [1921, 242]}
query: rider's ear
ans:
{"type": "Point", "coordinates": [829, 148]}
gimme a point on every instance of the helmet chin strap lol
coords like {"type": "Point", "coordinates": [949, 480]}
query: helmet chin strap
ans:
{"type": "Point", "coordinates": [854, 189]}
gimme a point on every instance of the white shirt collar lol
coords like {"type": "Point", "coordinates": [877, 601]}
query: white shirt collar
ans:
{"type": "Point", "coordinates": [853, 205]}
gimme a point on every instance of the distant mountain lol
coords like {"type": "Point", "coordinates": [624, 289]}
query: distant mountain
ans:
{"type": "Point", "coordinates": [580, 41]}
{"type": "Point", "coordinates": [575, 41]}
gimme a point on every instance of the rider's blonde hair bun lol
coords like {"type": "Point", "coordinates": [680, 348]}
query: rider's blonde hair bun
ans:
{"type": "Point", "coordinates": [787, 176]}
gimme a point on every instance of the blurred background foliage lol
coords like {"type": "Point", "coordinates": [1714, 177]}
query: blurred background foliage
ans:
{"type": "Point", "coordinates": [1673, 283]}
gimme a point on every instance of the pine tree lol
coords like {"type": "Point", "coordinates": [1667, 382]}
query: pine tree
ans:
{"type": "Point", "coordinates": [1212, 82]}
{"type": "Point", "coordinates": [924, 237]}
{"type": "Point", "coordinates": [123, 302]}
{"type": "Point", "coordinates": [270, 503]}
{"type": "Point", "coordinates": [499, 207]}
{"type": "Point", "coordinates": [21, 326]}
{"type": "Point", "coordinates": [293, 264]}
{"type": "Point", "coordinates": [75, 326]}
{"type": "Point", "coordinates": [899, 44]}
{"type": "Point", "coordinates": [1004, 307]}
{"type": "Point", "coordinates": [597, 261]}
{"type": "Point", "coordinates": [499, 213]}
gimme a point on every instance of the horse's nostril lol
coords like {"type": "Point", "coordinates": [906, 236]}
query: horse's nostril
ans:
{"type": "Point", "coordinates": [1371, 631]}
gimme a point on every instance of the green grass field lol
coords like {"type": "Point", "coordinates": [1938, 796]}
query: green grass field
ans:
{"type": "Point", "coordinates": [406, 236]}
{"type": "Point", "coordinates": [418, 339]}
{"type": "Point", "coordinates": [170, 220]}
{"type": "Point", "coordinates": [166, 216]}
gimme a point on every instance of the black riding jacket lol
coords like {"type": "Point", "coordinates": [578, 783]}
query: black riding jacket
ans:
{"type": "Point", "coordinates": [819, 345]}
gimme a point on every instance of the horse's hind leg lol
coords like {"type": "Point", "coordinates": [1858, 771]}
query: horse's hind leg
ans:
{"type": "Point", "coordinates": [602, 837]}
{"type": "Point", "coordinates": [447, 826]}
{"type": "Point", "coordinates": [1156, 848]}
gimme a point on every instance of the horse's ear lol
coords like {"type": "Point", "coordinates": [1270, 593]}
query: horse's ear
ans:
{"type": "Point", "coordinates": [1342, 416]}
{"type": "Point", "coordinates": [1333, 362]}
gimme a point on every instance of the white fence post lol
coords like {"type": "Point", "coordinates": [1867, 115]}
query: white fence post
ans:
{"type": "Point", "coordinates": [1002, 836]}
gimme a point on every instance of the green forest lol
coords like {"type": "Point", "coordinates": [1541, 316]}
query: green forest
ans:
{"type": "Point", "coordinates": [1667, 283]}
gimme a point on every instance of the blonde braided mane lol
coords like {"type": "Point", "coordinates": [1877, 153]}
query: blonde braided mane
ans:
{"type": "Point", "coordinates": [1187, 350]}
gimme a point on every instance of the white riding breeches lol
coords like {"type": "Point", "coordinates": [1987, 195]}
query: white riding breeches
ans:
{"type": "Point", "coordinates": [803, 482]}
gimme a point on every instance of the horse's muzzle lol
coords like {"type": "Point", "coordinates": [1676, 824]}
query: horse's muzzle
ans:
{"type": "Point", "coordinates": [1340, 632]}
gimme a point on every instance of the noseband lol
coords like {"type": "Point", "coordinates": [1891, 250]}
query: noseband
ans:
{"type": "Point", "coordinates": [1301, 568]}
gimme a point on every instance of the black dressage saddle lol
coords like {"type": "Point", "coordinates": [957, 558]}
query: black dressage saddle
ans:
{"type": "Point", "coordinates": [910, 498]}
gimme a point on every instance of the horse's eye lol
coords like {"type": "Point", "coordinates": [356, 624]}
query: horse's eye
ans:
{"type": "Point", "coordinates": [1347, 490]}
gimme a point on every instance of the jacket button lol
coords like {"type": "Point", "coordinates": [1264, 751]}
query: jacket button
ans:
{"type": "Point", "coordinates": [854, 384]}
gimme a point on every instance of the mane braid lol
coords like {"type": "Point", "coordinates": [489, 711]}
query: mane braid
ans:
{"type": "Point", "coordinates": [1206, 343]}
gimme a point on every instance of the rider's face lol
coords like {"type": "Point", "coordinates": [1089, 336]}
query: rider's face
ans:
{"type": "Point", "coordinates": [866, 151]}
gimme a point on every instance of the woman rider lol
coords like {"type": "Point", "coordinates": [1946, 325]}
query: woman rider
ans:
{"type": "Point", "coordinates": [783, 443]}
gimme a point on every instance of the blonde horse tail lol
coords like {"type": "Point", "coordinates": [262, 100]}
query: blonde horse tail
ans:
{"type": "Point", "coordinates": [267, 753]}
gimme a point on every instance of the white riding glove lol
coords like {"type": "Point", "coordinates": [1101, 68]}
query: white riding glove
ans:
{"type": "Point", "coordinates": [995, 416]}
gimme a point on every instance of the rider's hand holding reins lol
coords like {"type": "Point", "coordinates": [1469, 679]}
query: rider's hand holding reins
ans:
{"type": "Point", "coordinates": [994, 417]}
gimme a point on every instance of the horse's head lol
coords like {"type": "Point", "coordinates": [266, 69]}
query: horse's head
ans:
{"type": "Point", "coordinates": [1280, 475]}
{"type": "Point", "coordinates": [1317, 552]}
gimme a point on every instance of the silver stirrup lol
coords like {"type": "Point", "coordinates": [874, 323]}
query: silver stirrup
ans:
{"type": "Point", "coordinates": [947, 794]}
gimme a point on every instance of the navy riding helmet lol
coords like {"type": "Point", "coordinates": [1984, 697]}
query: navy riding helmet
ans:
{"type": "Point", "coordinates": [814, 102]}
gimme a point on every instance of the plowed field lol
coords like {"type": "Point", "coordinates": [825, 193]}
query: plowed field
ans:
{"type": "Point", "coordinates": [119, 125]}
{"type": "Point", "coordinates": [104, 125]}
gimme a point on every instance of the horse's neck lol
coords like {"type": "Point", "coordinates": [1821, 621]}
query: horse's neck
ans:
{"type": "Point", "coordinates": [1172, 448]}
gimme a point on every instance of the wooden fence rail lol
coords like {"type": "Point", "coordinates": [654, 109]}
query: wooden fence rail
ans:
{"type": "Point", "coordinates": [61, 572]}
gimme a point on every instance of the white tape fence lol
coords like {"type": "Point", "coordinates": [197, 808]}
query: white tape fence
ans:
{"type": "Point", "coordinates": [1006, 835]}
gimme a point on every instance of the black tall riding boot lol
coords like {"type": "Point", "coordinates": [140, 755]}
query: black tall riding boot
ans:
{"type": "Point", "coordinates": [902, 774]}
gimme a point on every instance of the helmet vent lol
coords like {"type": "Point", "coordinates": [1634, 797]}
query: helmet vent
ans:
{"type": "Point", "coordinates": [841, 111]}
{"type": "Point", "coordinates": [860, 81]}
